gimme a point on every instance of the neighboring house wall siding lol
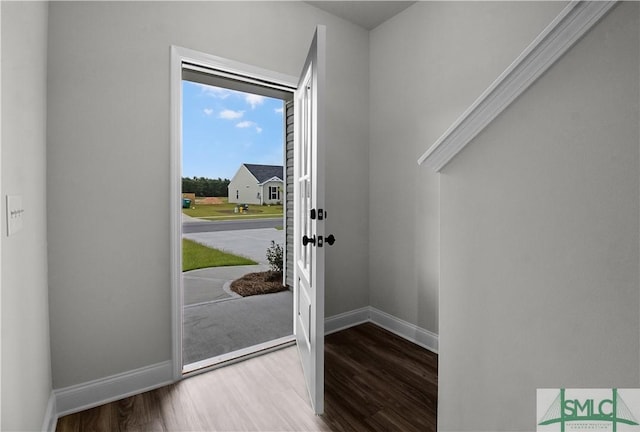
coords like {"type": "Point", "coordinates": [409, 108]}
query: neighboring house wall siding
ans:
{"type": "Point", "coordinates": [539, 231]}
{"type": "Point", "coordinates": [244, 189]}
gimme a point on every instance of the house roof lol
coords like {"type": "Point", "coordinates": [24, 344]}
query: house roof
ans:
{"type": "Point", "coordinates": [264, 173]}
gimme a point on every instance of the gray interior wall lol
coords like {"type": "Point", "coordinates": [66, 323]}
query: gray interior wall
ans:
{"type": "Point", "coordinates": [26, 370]}
{"type": "Point", "coordinates": [539, 242]}
{"type": "Point", "coordinates": [108, 164]}
{"type": "Point", "coordinates": [427, 65]}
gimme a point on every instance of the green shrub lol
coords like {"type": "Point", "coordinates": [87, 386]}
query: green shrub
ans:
{"type": "Point", "coordinates": [274, 256]}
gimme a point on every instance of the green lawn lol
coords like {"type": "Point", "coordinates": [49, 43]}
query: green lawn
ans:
{"type": "Point", "coordinates": [195, 256]}
{"type": "Point", "coordinates": [226, 211]}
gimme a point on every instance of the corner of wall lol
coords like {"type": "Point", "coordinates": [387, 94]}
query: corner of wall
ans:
{"type": "Point", "coordinates": [50, 415]}
{"type": "Point", "coordinates": [26, 379]}
{"type": "Point", "coordinates": [399, 327]}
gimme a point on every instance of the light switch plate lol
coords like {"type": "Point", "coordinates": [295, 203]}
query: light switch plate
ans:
{"type": "Point", "coordinates": [15, 214]}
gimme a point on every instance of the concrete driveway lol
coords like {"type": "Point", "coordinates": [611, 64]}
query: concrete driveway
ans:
{"type": "Point", "coordinates": [251, 243]}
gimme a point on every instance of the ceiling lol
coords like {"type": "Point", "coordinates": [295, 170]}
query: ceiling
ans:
{"type": "Point", "coordinates": [367, 14]}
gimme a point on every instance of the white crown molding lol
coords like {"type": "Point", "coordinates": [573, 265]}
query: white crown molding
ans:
{"type": "Point", "coordinates": [98, 392]}
{"type": "Point", "coordinates": [556, 39]}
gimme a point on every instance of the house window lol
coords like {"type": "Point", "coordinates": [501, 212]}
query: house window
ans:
{"type": "Point", "coordinates": [274, 193]}
{"type": "Point", "coordinates": [237, 194]}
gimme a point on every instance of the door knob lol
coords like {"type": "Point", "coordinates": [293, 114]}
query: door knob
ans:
{"type": "Point", "coordinates": [306, 240]}
{"type": "Point", "coordinates": [330, 239]}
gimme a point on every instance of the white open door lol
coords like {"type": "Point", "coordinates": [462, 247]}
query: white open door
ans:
{"type": "Point", "coordinates": [309, 216]}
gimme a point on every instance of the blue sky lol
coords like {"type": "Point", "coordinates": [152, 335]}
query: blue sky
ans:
{"type": "Point", "coordinates": [222, 129]}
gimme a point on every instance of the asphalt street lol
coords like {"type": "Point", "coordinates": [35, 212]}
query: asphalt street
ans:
{"type": "Point", "coordinates": [214, 226]}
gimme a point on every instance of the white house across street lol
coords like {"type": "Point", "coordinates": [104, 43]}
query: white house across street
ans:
{"type": "Point", "coordinates": [257, 184]}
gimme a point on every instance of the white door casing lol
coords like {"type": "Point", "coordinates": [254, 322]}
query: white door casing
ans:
{"type": "Point", "coordinates": [309, 147]}
{"type": "Point", "coordinates": [187, 61]}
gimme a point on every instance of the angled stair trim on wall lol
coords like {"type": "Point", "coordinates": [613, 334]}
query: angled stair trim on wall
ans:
{"type": "Point", "coordinates": [555, 40]}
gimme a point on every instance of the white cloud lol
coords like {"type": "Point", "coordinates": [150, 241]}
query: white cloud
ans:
{"type": "Point", "coordinates": [248, 124]}
{"type": "Point", "coordinates": [254, 100]}
{"type": "Point", "coordinates": [245, 124]}
{"type": "Point", "coordinates": [215, 92]}
{"type": "Point", "coordinates": [279, 110]}
{"type": "Point", "coordinates": [208, 111]}
{"type": "Point", "coordinates": [230, 114]}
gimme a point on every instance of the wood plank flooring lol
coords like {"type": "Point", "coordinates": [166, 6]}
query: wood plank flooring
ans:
{"type": "Point", "coordinates": [377, 381]}
{"type": "Point", "coordinates": [374, 381]}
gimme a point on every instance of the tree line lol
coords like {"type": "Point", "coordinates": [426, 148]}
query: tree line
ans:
{"type": "Point", "coordinates": [205, 187]}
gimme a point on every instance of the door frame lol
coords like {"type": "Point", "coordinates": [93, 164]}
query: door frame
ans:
{"type": "Point", "coordinates": [224, 67]}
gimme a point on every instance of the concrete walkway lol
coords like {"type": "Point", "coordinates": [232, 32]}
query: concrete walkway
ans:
{"type": "Point", "coordinates": [216, 320]}
{"type": "Point", "coordinates": [211, 284]}
{"type": "Point", "coordinates": [220, 327]}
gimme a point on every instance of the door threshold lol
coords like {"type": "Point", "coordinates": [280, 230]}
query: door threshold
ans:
{"type": "Point", "coordinates": [226, 359]}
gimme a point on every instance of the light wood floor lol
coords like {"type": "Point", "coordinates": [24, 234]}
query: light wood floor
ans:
{"type": "Point", "coordinates": [374, 381]}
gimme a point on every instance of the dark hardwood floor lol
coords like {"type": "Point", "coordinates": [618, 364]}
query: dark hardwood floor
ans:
{"type": "Point", "coordinates": [377, 381]}
{"type": "Point", "coordinates": [374, 381]}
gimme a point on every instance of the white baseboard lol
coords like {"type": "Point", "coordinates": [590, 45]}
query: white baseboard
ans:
{"type": "Point", "coordinates": [87, 395]}
{"type": "Point", "coordinates": [50, 415]}
{"type": "Point", "coordinates": [94, 393]}
{"type": "Point", "coordinates": [345, 320]}
{"type": "Point", "coordinates": [404, 329]}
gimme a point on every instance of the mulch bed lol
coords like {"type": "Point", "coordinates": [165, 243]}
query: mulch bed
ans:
{"type": "Point", "coordinates": [258, 283]}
